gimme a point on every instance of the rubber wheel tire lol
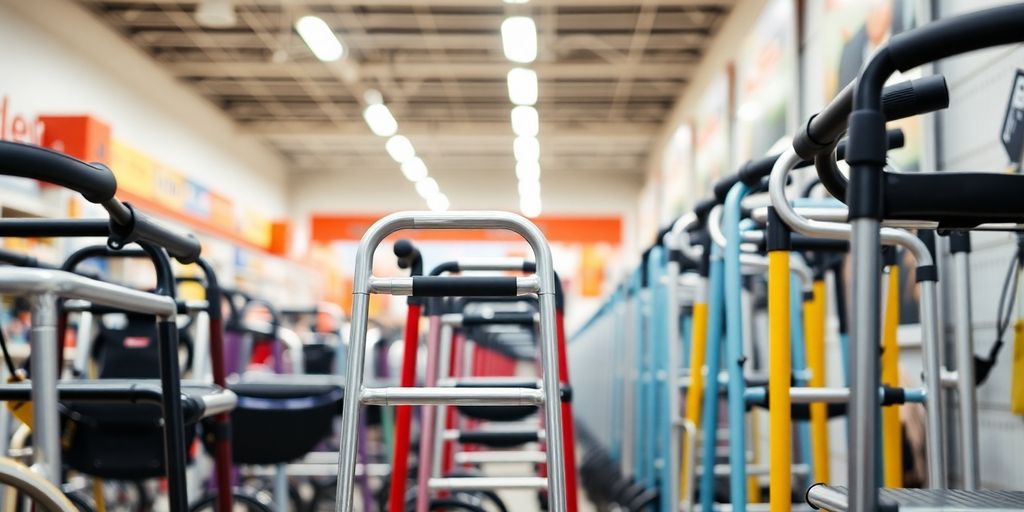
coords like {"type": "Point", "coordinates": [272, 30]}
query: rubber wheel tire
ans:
{"type": "Point", "coordinates": [254, 503]}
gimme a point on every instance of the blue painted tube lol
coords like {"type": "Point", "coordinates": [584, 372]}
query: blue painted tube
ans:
{"type": "Point", "coordinates": [709, 415]}
{"type": "Point", "coordinates": [799, 357]}
{"type": "Point", "coordinates": [640, 384]}
{"type": "Point", "coordinates": [652, 342]}
{"type": "Point", "coordinates": [734, 349]}
{"type": "Point", "coordinates": [619, 347]}
{"type": "Point", "coordinates": [916, 396]}
{"type": "Point", "coordinates": [662, 317]}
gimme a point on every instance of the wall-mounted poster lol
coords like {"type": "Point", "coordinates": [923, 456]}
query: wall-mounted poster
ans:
{"type": "Point", "coordinates": [840, 37]}
{"type": "Point", "coordinates": [711, 140]}
{"type": "Point", "coordinates": [766, 81]}
{"type": "Point", "coordinates": [677, 175]}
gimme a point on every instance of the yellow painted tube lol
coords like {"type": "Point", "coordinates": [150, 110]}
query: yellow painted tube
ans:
{"type": "Point", "coordinates": [892, 435]}
{"type": "Point", "coordinates": [814, 330]}
{"type": "Point", "coordinates": [780, 371]}
{"type": "Point", "coordinates": [695, 394]}
{"type": "Point", "coordinates": [97, 495]}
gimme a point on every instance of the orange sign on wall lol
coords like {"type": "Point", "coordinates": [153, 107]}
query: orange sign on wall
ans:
{"type": "Point", "coordinates": [571, 229]}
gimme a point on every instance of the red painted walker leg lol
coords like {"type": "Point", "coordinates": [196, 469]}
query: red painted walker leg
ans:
{"type": "Point", "coordinates": [403, 413]}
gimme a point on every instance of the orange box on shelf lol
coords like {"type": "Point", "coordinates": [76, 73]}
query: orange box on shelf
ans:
{"type": "Point", "coordinates": [83, 137]}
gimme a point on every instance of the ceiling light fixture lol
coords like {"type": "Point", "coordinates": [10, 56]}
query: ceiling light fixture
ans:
{"type": "Point", "coordinates": [529, 188]}
{"type": "Point", "coordinates": [400, 148]}
{"type": "Point", "coordinates": [522, 86]}
{"type": "Point", "coordinates": [528, 170]}
{"type": "Point", "coordinates": [438, 202]}
{"type": "Point", "coordinates": [519, 39]}
{"type": "Point", "coordinates": [526, 149]}
{"type": "Point", "coordinates": [427, 188]}
{"type": "Point", "coordinates": [216, 14]}
{"type": "Point", "coordinates": [525, 121]}
{"type": "Point", "coordinates": [530, 205]}
{"type": "Point", "coordinates": [414, 169]}
{"type": "Point", "coordinates": [380, 120]}
{"type": "Point", "coordinates": [320, 39]}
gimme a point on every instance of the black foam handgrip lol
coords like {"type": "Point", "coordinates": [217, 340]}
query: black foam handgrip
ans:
{"type": "Point", "coordinates": [94, 181]}
{"type": "Point", "coordinates": [755, 170]}
{"type": "Point", "coordinates": [723, 185]}
{"type": "Point", "coordinates": [913, 97]}
{"type": "Point", "coordinates": [464, 286]}
{"type": "Point", "coordinates": [703, 208]}
{"type": "Point", "coordinates": [956, 35]}
{"type": "Point", "coordinates": [183, 247]}
{"type": "Point", "coordinates": [498, 439]}
{"type": "Point", "coordinates": [905, 99]}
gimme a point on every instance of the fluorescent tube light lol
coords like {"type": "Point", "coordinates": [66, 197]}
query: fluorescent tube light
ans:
{"type": "Point", "coordinates": [400, 148]}
{"type": "Point", "coordinates": [528, 170]}
{"type": "Point", "coordinates": [380, 120]}
{"type": "Point", "coordinates": [525, 121]}
{"type": "Point", "coordinates": [522, 86]}
{"type": "Point", "coordinates": [438, 202]}
{"type": "Point", "coordinates": [530, 206]}
{"type": "Point", "coordinates": [427, 188]}
{"type": "Point", "coordinates": [519, 39]}
{"type": "Point", "coordinates": [414, 169]}
{"type": "Point", "coordinates": [320, 39]}
{"type": "Point", "coordinates": [526, 149]}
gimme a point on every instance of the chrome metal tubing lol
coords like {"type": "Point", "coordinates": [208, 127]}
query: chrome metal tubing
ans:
{"type": "Point", "coordinates": [20, 280]}
{"type": "Point", "coordinates": [825, 497]}
{"type": "Point", "coordinates": [500, 457]}
{"type": "Point", "coordinates": [474, 264]}
{"type": "Point", "coordinates": [452, 396]}
{"type": "Point", "coordinates": [354, 390]}
{"type": "Point", "coordinates": [870, 331]}
{"type": "Point", "coordinates": [485, 483]}
{"type": "Point", "coordinates": [865, 330]}
{"type": "Point", "coordinates": [46, 452]}
{"type": "Point", "coordinates": [967, 398]}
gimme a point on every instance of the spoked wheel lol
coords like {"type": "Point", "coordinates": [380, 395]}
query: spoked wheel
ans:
{"type": "Point", "coordinates": [18, 479]}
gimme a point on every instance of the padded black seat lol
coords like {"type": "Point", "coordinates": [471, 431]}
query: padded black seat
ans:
{"type": "Point", "coordinates": [280, 421]}
{"type": "Point", "coordinates": [113, 426]}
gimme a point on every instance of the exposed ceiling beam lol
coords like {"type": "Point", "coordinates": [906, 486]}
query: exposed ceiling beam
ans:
{"type": "Point", "coordinates": [159, 38]}
{"type": "Point", "coordinates": [427, 70]}
{"type": "Point", "coordinates": [312, 4]}
{"type": "Point", "coordinates": [291, 130]}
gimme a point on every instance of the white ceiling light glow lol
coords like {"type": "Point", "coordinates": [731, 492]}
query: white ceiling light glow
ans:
{"type": "Point", "coordinates": [438, 202]}
{"type": "Point", "coordinates": [529, 188]}
{"type": "Point", "coordinates": [414, 169]}
{"type": "Point", "coordinates": [519, 39]}
{"type": "Point", "coordinates": [528, 170]}
{"type": "Point", "coordinates": [216, 14]}
{"type": "Point", "coordinates": [530, 206]}
{"type": "Point", "coordinates": [380, 120]}
{"type": "Point", "coordinates": [526, 149]}
{"type": "Point", "coordinates": [427, 188]}
{"type": "Point", "coordinates": [522, 86]}
{"type": "Point", "coordinates": [525, 121]}
{"type": "Point", "coordinates": [320, 39]}
{"type": "Point", "coordinates": [400, 148]}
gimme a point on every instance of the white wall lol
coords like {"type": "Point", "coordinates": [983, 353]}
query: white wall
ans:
{"type": "Point", "coordinates": [979, 88]}
{"type": "Point", "coordinates": [58, 58]}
